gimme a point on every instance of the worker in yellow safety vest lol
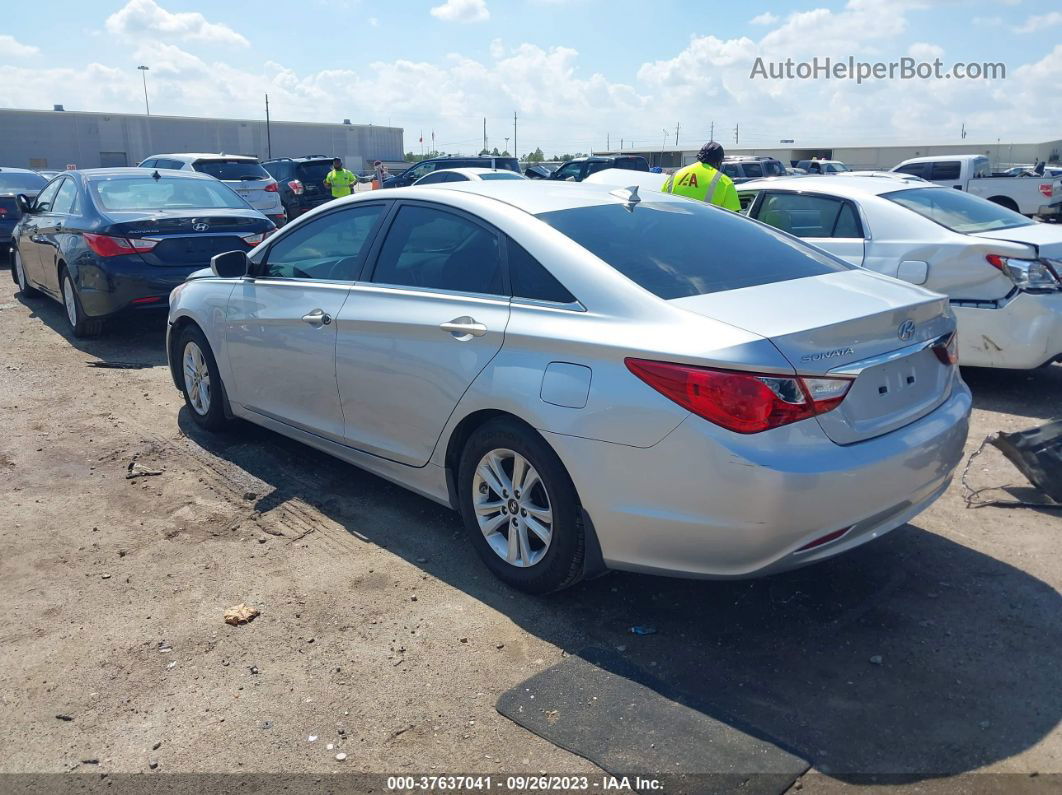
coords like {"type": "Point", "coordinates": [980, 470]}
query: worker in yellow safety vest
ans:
{"type": "Point", "coordinates": [704, 180]}
{"type": "Point", "coordinates": [339, 180]}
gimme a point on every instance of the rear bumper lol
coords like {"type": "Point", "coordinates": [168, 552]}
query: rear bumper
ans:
{"type": "Point", "coordinates": [121, 284]}
{"type": "Point", "coordinates": [1024, 333]}
{"type": "Point", "coordinates": [1051, 212]}
{"type": "Point", "coordinates": [708, 503]}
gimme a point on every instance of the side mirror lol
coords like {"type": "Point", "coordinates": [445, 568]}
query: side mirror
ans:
{"type": "Point", "coordinates": [913, 271]}
{"type": "Point", "coordinates": [230, 265]}
{"type": "Point", "coordinates": [24, 203]}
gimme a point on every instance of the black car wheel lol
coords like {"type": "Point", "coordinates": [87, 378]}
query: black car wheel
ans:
{"type": "Point", "coordinates": [18, 274]}
{"type": "Point", "coordinates": [520, 508]}
{"type": "Point", "coordinates": [81, 325]}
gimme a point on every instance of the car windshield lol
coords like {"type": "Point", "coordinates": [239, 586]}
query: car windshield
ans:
{"type": "Point", "coordinates": [14, 182]}
{"type": "Point", "coordinates": [500, 175]}
{"type": "Point", "coordinates": [957, 210]}
{"type": "Point", "coordinates": [677, 249]}
{"type": "Point", "coordinates": [167, 193]}
{"type": "Point", "coordinates": [231, 169]}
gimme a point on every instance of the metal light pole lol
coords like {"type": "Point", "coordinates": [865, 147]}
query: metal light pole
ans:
{"type": "Point", "coordinates": [506, 143]}
{"type": "Point", "coordinates": [143, 73]}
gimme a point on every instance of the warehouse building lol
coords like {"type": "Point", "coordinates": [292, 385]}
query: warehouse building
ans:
{"type": "Point", "coordinates": [1002, 155]}
{"type": "Point", "coordinates": [58, 139]}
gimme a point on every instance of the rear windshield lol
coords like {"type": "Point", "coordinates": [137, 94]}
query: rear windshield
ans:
{"type": "Point", "coordinates": [231, 169]}
{"type": "Point", "coordinates": [14, 182]}
{"type": "Point", "coordinates": [168, 193]}
{"type": "Point", "coordinates": [677, 249]}
{"type": "Point", "coordinates": [8, 208]}
{"type": "Point", "coordinates": [314, 172]}
{"type": "Point", "coordinates": [957, 210]}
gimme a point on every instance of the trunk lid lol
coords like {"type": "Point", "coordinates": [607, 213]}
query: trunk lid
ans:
{"type": "Point", "coordinates": [1046, 238]}
{"type": "Point", "coordinates": [855, 324]}
{"type": "Point", "coordinates": [183, 242]}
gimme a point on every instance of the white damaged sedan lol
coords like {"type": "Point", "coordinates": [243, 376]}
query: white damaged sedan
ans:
{"type": "Point", "coordinates": [1001, 270]}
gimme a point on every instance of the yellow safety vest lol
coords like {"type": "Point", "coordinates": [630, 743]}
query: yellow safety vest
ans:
{"type": "Point", "coordinates": [340, 182]}
{"type": "Point", "coordinates": [704, 183]}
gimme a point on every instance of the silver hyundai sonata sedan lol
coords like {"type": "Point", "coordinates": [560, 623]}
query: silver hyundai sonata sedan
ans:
{"type": "Point", "coordinates": [595, 380]}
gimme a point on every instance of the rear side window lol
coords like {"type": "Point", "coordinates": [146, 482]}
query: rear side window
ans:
{"type": "Point", "coordinates": [809, 216]}
{"type": "Point", "coordinates": [434, 249]}
{"type": "Point", "coordinates": [231, 169]}
{"type": "Point", "coordinates": [632, 163]}
{"type": "Point", "coordinates": [329, 247]}
{"type": "Point", "coordinates": [681, 248]}
{"type": "Point", "coordinates": [773, 168]}
{"type": "Point", "coordinates": [531, 280]}
{"type": "Point", "coordinates": [946, 169]}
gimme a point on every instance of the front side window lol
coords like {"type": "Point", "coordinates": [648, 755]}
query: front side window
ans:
{"type": "Point", "coordinates": [753, 170]}
{"type": "Point", "coordinates": [419, 171]}
{"type": "Point", "coordinates": [681, 248]}
{"type": "Point", "coordinates": [957, 210]}
{"type": "Point", "coordinates": [330, 247]}
{"type": "Point", "coordinates": [732, 170]}
{"type": "Point", "coordinates": [809, 216]}
{"type": "Point", "coordinates": [434, 178]}
{"type": "Point", "coordinates": [46, 198]}
{"type": "Point", "coordinates": [914, 169]}
{"type": "Point", "coordinates": [166, 193]}
{"type": "Point", "coordinates": [434, 249]}
{"type": "Point", "coordinates": [568, 171]}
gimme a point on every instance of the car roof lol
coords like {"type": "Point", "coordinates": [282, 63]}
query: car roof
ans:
{"type": "Point", "coordinates": [837, 185]}
{"type": "Point", "coordinates": [530, 195]}
{"type": "Point", "coordinates": [192, 156]}
{"type": "Point", "coordinates": [16, 170]}
{"type": "Point", "coordinates": [470, 171]}
{"type": "Point", "coordinates": [131, 171]}
{"type": "Point", "coordinates": [934, 158]}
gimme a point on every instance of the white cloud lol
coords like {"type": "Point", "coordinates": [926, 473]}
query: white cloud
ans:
{"type": "Point", "coordinates": [766, 18]}
{"type": "Point", "coordinates": [1035, 24]}
{"type": "Point", "coordinates": [11, 48]}
{"type": "Point", "coordinates": [374, 22]}
{"type": "Point", "coordinates": [139, 17]}
{"type": "Point", "coordinates": [924, 51]}
{"type": "Point", "coordinates": [462, 11]}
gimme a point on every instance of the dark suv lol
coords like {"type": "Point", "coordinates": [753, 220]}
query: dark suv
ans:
{"type": "Point", "coordinates": [582, 167]}
{"type": "Point", "coordinates": [418, 170]}
{"type": "Point", "coordinates": [301, 181]}
{"type": "Point", "coordinates": [743, 168]}
{"type": "Point", "coordinates": [14, 181]}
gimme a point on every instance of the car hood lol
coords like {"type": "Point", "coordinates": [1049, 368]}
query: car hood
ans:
{"type": "Point", "coordinates": [1046, 238]}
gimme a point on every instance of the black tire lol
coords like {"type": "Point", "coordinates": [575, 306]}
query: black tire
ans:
{"type": "Point", "coordinates": [561, 562]}
{"type": "Point", "coordinates": [214, 417]}
{"type": "Point", "coordinates": [18, 276]}
{"type": "Point", "coordinates": [81, 325]}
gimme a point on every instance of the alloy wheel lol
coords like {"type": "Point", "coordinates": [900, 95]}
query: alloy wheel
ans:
{"type": "Point", "coordinates": [196, 379]}
{"type": "Point", "coordinates": [513, 508]}
{"type": "Point", "coordinates": [70, 302]}
{"type": "Point", "coordinates": [20, 274]}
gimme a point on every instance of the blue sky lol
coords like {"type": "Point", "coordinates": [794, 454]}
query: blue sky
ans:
{"type": "Point", "coordinates": [579, 72]}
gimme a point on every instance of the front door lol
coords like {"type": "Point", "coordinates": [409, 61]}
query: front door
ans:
{"type": "Point", "coordinates": [414, 337]}
{"type": "Point", "coordinates": [281, 326]}
{"type": "Point", "coordinates": [30, 242]}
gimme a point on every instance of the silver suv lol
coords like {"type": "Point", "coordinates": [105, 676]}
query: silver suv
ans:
{"type": "Point", "coordinates": [243, 173]}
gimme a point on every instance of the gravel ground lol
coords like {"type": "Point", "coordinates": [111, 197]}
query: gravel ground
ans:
{"type": "Point", "coordinates": [930, 653]}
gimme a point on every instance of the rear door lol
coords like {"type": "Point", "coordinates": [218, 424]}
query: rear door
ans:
{"type": "Point", "coordinates": [281, 324]}
{"type": "Point", "coordinates": [246, 177]}
{"type": "Point", "coordinates": [825, 221]}
{"type": "Point", "coordinates": [415, 335]}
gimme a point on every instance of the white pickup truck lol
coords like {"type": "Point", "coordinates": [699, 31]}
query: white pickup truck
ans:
{"type": "Point", "coordinates": [1041, 196]}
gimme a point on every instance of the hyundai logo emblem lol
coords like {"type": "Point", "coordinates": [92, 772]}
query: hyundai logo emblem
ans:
{"type": "Point", "coordinates": [200, 226]}
{"type": "Point", "coordinates": [906, 330]}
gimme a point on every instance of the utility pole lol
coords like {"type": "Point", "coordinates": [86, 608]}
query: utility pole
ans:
{"type": "Point", "coordinates": [484, 132]}
{"type": "Point", "coordinates": [737, 134]}
{"type": "Point", "coordinates": [506, 143]}
{"type": "Point", "coordinates": [143, 73]}
{"type": "Point", "coordinates": [711, 135]}
{"type": "Point", "coordinates": [516, 151]}
{"type": "Point", "coordinates": [269, 137]}
{"type": "Point", "coordinates": [964, 131]}
{"type": "Point", "coordinates": [608, 141]}
{"type": "Point", "coordinates": [677, 125]}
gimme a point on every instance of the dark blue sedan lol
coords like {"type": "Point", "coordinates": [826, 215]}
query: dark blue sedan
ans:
{"type": "Point", "coordinates": [113, 240]}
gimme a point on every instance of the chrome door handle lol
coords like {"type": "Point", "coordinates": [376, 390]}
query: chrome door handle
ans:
{"type": "Point", "coordinates": [317, 318]}
{"type": "Point", "coordinates": [464, 326]}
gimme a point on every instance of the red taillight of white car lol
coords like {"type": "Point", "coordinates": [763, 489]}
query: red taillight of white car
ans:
{"type": "Point", "coordinates": [108, 246]}
{"type": "Point", "coordinates": [1030, 274]}
{"type": "Point", "coordinates": [739, 401]}
{"type": "Point", "coordinates": [1047, 189]}
{"type": "Point", "coordinates": [296, 187]}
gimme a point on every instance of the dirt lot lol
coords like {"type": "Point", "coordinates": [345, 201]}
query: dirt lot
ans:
{"type": "Point", "coordinates": [381, 634]}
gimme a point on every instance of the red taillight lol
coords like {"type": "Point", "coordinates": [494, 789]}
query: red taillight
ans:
{"type": "Point", "coordinates": [296, 187]}
{"type": "Point", "coordinates": [996, 261]}
{"type": "Point", "coordinates": [107, 246]}
{"type": "Point", "coordinates": [826, 539]}
{"type": "Point", "coordinates": [740, 401]}
{"type": "Point", "coordinates": [1047, 189]}
{"type": "Point", "coordinates": [272, 188]}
